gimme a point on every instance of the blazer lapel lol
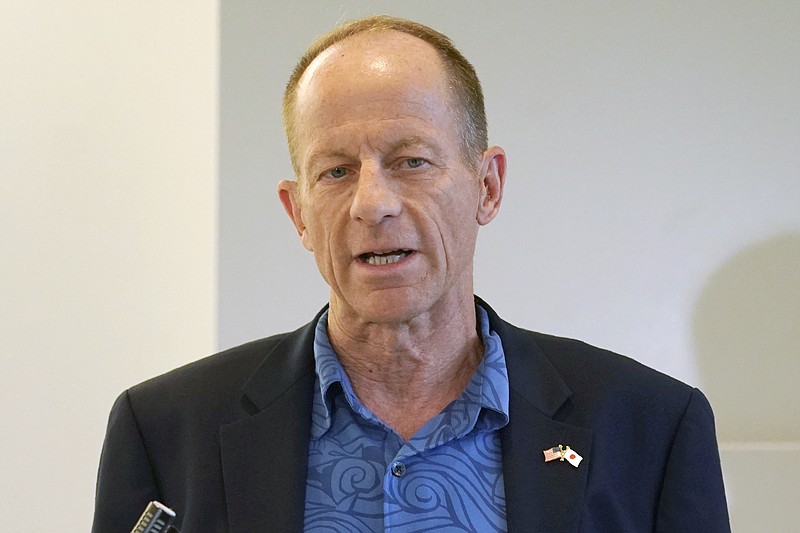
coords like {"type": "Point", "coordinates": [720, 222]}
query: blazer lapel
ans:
{"type": "Point", "coordinates": [265, 454]}
{"type": "Point", "coordinates": [540, 496]}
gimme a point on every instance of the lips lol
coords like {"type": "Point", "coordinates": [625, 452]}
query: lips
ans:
{"type": "Point", "coordinates": [384, 258]}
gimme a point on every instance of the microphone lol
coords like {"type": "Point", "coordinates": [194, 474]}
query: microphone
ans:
{"type": "Point", "coordinates": [156, 518]}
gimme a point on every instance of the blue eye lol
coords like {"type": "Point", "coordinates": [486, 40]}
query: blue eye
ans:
{"type": "Point", "coordinates": [415, 162]}
{"type": "Point", "coordinates": [337, 172]}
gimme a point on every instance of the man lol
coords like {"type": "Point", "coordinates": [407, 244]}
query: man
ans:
{"type": "Point", "coordinates": [407, 404]}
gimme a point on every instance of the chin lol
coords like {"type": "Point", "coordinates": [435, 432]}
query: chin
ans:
{"type": "Point", "coordinates": [387, 307]}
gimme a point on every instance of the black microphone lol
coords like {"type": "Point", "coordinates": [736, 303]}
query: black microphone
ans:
{"type": "Point", "coordinates": [156, 518]}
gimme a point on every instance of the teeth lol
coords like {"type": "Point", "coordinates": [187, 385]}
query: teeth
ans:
{"type": "Point", "coordinates": [392, 257]}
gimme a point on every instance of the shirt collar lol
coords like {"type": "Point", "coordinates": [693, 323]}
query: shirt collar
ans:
{"type": "Point", "coordinates": [330, 373]}
{"type": "Point", "coordinates": [489, 385]}
{"type": "Point", "coordinates": [488, 389]}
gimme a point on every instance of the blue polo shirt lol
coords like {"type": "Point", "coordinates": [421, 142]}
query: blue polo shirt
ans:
{"type": "Point", "coordinates": [362, 477]}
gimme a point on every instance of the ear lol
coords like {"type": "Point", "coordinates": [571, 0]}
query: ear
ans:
{"type": "Point", "coordinates": [289, 196]}
{"type": "Point", "coordinates": [493, 179]}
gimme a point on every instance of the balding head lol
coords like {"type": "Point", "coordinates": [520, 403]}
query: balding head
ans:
{"type": "Point", "coordinates": [360, 81]}
{"type": "Point", "coordinates": [466, 96]}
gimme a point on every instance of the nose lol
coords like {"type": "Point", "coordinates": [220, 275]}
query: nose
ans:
{"type": "Point", "coordinates": [375, 197]}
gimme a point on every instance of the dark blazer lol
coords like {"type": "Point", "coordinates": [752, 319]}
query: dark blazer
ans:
{"type": "Point", "coordinates": [224, 442]}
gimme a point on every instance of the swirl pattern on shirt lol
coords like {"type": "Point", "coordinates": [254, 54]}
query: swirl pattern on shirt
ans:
{"type": "Point", "coordinates": [451, 476]}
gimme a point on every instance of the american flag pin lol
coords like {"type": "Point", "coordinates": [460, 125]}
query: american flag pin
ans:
{"type": "Point", "coordinates": [551, 454]}
{"type": "Point", "coordinates": [562, 453]}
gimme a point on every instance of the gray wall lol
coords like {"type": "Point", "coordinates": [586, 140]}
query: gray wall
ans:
{"type": "Point", "coordinates": [651, 205]}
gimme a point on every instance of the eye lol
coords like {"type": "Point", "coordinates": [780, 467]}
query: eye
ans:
{"type": "Point", "coordinates": [414, 162]}
{"type": "Point", "coordinates": [337, 172]}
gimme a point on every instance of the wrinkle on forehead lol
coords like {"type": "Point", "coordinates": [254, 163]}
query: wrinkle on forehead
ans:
{"type": "Point", "coordinates": [320, 150]}
{"type": "Point", "coordinates": [414, 118]}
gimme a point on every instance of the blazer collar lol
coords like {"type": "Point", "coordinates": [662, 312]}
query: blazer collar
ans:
{"type": "Point", "coordinates": [539, 496]}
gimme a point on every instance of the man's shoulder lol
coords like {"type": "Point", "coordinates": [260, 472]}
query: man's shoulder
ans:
{"type": "Point", "coordinates": [576, 357]}
{"type": "Point", "coordinates": [209, 381]}
{"type": "Point", "coordinates": [596, 375]}
{"type": "Point", "coordinates": [582, 367]}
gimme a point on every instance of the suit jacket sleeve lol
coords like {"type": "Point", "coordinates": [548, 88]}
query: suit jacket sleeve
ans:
{"type": "Point", "coordinates": [692, 496]}
{"type": "Point", "coordinates": [125, 481]}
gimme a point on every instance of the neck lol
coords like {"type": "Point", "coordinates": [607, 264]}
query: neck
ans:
{"type": "Point", "coordinates": [407, 372]}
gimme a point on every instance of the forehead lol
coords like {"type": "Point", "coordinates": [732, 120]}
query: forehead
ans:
{"type": "Point", "coordinates": [375, 54]}
{"type": "Point", "coordinates": [363, 84]}
{"type": "Point", "coordinates": [372, 66]}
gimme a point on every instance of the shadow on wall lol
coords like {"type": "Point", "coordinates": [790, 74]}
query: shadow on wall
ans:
{"type": "Point", "coordinates": [746, 328]}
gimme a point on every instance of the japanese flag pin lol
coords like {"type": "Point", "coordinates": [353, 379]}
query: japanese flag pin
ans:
{"type": "Point", "coordinates": [572, 457]}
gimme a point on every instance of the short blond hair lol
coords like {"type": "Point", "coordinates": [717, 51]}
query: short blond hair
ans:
{"type": "Point", "coordinates": [466, 86]}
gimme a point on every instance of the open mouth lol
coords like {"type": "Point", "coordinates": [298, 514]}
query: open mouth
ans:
{"type": "Point", "coordinates": [387, 258]}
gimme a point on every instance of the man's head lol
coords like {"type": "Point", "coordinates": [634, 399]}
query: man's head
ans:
{"type": "Point", "coordinates": [467, 96]}
{"type": "Point", "coordinates": [386, 198]}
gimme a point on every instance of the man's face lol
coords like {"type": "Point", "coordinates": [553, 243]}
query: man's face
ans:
{"type": "Point", "coordinates": [385, 199]}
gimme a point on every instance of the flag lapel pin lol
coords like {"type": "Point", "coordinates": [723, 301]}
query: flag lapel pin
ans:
{"type": "Point", "coordinates": [551, 454]}
{"type": "Point", "coordinates": [562, 453]}
{"type": "Point", "coordinates": [572, 457]}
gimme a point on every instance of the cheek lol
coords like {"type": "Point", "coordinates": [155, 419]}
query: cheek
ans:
{"type": "Point", "coordinates": [457, 222]}
{"type": "Point", "coordinates": [457, 206]}
{"type": "Point", "coordinates": [323, 235]}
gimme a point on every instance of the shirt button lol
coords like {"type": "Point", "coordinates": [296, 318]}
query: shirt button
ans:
{"type": "Point", "coordinates": [398, 469]}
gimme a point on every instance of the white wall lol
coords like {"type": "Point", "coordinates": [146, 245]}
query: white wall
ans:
{"type": "Point", "coordinates": [108, 134]}
{"type": "Point", "coordinates": [651, 206]}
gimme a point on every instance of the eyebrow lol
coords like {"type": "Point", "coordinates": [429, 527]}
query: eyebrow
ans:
{"type": "Point", "coordinates": [400, 144]}
{"type": "Point", "coordinates": [410, 142]}
{"type": "Point", "coordinates": [316, 156]}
